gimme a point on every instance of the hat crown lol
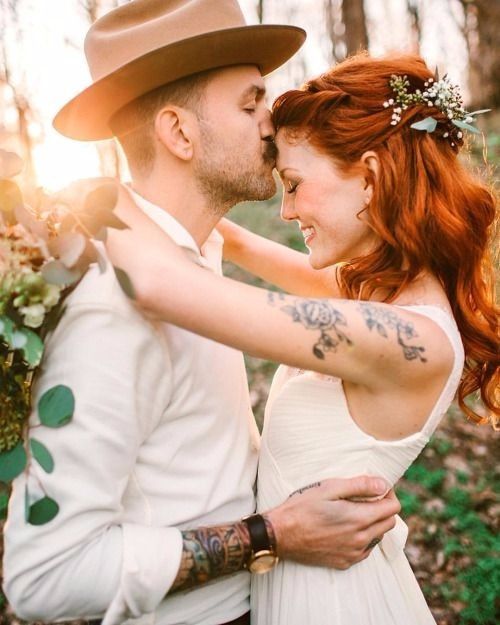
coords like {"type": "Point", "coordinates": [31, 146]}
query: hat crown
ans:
{"type": "Point", "coordinates": [141, 26]}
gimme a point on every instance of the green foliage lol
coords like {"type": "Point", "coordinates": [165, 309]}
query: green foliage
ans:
{"type": "Point", "coordinates": [125, 282]}
{"type": "Point", "coordinates": [12, 463]}
{"type": "Point", "coordinates": [42, 455]}
{"type": "Point", "coordinates": [56, 406]}
{"type": "Point", "coordinates": [43, 511]}
{"type": "Point", "coordinates": [458, 535]}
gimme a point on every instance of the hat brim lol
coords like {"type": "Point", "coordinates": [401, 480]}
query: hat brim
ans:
{"type": "Point", "coordinates": [86, 117]}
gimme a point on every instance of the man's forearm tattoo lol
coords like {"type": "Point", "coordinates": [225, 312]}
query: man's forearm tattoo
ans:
{"type": "Point", "coordinates": [383, 320]}
{"type": "Point", "coordinates": [319, 315]}
{"type": "Point", "coordinates": [211, 552]}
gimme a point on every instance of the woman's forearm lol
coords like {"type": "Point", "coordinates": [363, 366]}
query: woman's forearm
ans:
{"type": "Point", "coordinates": [277, 264]}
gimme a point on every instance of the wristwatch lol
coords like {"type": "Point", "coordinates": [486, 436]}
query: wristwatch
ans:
{"type": "Point", "coordinates": [263, 557]}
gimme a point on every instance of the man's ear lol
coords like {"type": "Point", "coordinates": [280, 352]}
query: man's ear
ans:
{"type": "Point", "coordinates": [174, 128]}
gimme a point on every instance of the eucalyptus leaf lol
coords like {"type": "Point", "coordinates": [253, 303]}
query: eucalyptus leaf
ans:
{"type": "Point", "coordinates": [56, 406]}
{"type": "Point", "coordinates": [26, 503]}
{"type": "Point", "coordinates": [112, 221]}
{"type": "Point", "coordinates": [102, 234]}
{"type": "Point", "coordinates": [12, 462]}
{"type": "Point", "coordinates": [125, 282]}
{"type": "Point", "coordinates": [10, 164]}
{"type": "Point", "coordinates": [10, 199]}
{"type": "Point", "coordinates": [102, 199]}
{"type": "Point", "coordinates": [42, 455]}
{"type": "Point", "coordinates": [428, 124]}
{"type": "Point", "coordinates": [42, 511]}
{"type": "Point", "coordinates": [4, 504]}
{"type": "Point", "coordinates": [19, 340]}
{"type": "Point", "coordinates": [479, 112]}
{"type": "Point", "coordinates": [56, 273]}
{"type": "Point", "coordinates": [71, 246]}
{"type": "Point", "coordinates": [465, 126]}
{"type": "Point", "coordinates": [27, 219]}
{"type": "Point", "coordinates": [33, 347]}
{"type": "Point", "coordinates": [101, 261]}
{"type": "Point", "coordinates": [6, 329]}
{"type": "Point", "coordinates": [98, 207]}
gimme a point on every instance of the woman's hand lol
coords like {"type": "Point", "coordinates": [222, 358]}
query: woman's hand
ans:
{"type": "Point", "coordinates": [233, 236]}
{"type": "Point", "coordinates": [142, 249]}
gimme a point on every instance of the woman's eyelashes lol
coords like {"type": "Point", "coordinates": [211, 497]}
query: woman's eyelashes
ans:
{"type": "Point", "coordinates": [290, 186]}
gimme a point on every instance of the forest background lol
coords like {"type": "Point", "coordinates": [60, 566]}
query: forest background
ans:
{"type": "Point", "coordinates": [450, 495]}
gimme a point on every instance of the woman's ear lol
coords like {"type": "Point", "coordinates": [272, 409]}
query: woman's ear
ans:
{"type": "Point", "coordinates": [174, 130]}
{"type": "Point", "coordinates": [371, 165]}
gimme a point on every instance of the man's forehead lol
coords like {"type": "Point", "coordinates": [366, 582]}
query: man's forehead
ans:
{"type": "Point", "coordinates": [244, 79]}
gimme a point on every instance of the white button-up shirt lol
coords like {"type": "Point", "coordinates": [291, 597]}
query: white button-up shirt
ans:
{"type": "Point", "coordinates": [162, 439]}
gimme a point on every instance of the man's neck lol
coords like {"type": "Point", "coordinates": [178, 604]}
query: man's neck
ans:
{"type": "Point", "coordinates": [184, 203]}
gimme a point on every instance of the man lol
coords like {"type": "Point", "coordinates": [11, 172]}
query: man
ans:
{"type": "Point", "coordinates": [155, 473]}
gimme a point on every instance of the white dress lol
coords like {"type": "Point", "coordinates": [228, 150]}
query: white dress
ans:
{"type": "Point", "coordinates": [308, 436]}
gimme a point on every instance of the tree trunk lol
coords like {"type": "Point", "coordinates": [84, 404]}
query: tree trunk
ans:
{"type": "Point", "coordinates": [260, 11]}
{"type": "Point", "coordinates": [485, 57]}
{"type": "Point", "coordinates": [416, 30]}
{"type": "Point", "coordinates": [356, 36]}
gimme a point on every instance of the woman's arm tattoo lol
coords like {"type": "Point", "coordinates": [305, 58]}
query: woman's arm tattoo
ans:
{"type": "Point", "coordinates": [211, 552]}
{"type": "Point", "coordinates": [383, 320]}
{"type": "Point", "coordinates": [320, 315]}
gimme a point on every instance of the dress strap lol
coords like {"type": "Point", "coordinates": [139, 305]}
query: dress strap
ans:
{"type": "Point", "coordinates": [447, 323]}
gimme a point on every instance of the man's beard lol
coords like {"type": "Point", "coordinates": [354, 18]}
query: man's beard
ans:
{"type": "Point", "coordinates": [227, 175]}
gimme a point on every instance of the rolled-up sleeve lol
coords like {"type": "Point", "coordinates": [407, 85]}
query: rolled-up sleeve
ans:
{"type": "Point", "coordinates": [90, 559]}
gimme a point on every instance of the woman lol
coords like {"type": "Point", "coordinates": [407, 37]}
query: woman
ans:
{"type": "Point", "coordinates": [397, 234]}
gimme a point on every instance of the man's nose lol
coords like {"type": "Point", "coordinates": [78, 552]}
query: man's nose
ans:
{"type": "Point", "coordinates": [267, 131]}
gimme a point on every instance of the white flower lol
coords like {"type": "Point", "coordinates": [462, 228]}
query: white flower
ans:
{"type": "Point", "coordinates": [386, 105]}
{"type": "Point", "coordinates": [33, 315]}
{"type": "Point", "coordinates": [460, 134]}
{"type": "Point", "coordinates": [51, 296]}
{"type": "Point", "coordinates": [469, 119]}
{"type": "Point", "coordinates": [430, 103]}
{"type": "Point", "coordinates": [391, 101]}
{"type": "Point", "coordinates": [394, 122]}
{"type": "Point", "coordinates": [431, 79]}
{"type": "Point", "coordinates": [450, 115]}
{"type": "Point", "coordinates": [446, 134]}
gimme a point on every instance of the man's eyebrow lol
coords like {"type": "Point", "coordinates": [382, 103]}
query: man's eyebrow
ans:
{"type": "Point", "coordinates": [256, 91]}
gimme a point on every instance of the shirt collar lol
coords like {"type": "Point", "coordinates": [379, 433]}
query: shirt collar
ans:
{"type": "Point", "coordinates": [210, 255]}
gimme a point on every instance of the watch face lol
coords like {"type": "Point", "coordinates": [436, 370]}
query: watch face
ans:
{"type": "Point", "coordinates": [263, 562]}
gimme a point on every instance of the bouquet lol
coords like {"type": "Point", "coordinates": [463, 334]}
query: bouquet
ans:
{"type": "Point", "coordinates": [45, 251]}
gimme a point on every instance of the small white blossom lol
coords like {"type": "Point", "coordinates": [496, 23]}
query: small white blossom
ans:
{"type": "Point", "coordinates": [391, 101]}
{"type": "Point", "coordinates": [33, 315]}
{"type": "Point", "coordinates": [386, 105]}
{"type": "Point", "coordinates": [460, 134]}
{"type": "Point", "coordinates": [446, 134]}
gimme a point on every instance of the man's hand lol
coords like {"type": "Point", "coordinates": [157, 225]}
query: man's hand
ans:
{"type": "Point", "coordinates": [321, 526]}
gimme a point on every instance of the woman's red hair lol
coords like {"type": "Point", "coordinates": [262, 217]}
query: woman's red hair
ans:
{"type": "Point", "coordinates": [429, 212]}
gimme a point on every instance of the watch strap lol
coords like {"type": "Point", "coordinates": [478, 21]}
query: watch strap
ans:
{"type": "Point", "coordinates": [259, 538]}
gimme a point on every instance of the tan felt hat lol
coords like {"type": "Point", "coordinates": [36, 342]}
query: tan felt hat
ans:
{"type": "Point", "coordinates": [145, 44]}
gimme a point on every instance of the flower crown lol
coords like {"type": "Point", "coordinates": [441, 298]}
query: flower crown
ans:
{"type": "Point", "coordinates": [438, 93]}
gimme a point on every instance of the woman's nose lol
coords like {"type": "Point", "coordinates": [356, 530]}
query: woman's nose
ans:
{"type": "Point", "coordinates": [288, 212]}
